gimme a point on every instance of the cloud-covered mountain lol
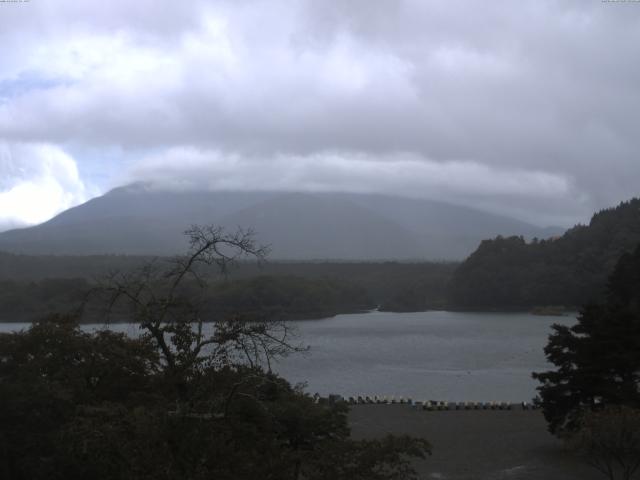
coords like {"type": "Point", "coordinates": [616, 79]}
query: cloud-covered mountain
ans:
{"type": "Point", "coordinates": [140, 220]}
{"type": "Point", "coordinates": [524, 108]}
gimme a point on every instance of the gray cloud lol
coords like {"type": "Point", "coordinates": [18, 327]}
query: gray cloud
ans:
{"type": "Point", "coordinates": [528, 108]}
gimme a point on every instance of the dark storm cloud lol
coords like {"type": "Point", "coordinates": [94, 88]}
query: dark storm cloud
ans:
{"type": "Point", "coordinates": [529, 108]}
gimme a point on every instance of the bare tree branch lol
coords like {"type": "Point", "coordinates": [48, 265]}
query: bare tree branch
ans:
{"type": "Point", "coordinates": [165, 300]}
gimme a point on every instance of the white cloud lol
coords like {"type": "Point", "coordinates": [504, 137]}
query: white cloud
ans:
{"type": "Point", "coordinates": [37, 182]}
{"type": "Point", "coordinates": [404, 174]}
{"type": "Point", "coordinates": [530, 103]}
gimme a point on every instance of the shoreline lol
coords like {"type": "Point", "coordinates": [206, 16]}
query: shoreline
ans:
{"type": "Point", "coordinates": [316, 316]}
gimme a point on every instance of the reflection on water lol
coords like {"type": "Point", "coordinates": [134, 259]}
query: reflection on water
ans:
{"type": "Point", "coordinates": [450, 356]}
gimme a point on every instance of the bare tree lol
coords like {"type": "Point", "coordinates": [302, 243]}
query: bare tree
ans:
{"type": "Point", "coordinates": [166, 297]}
{"type": "Point", "coordinates": [610, 441]}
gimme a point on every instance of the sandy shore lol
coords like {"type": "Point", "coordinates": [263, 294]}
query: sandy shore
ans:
{"type": "Point", "coordinates": [479, 445]}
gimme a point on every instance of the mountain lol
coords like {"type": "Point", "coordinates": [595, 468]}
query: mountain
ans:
{"type": "Point", "coordinates": [570, 270]}
{"type": "Point", "coordinates": [140, 220]}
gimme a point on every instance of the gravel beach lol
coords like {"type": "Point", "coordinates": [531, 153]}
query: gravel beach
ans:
{"type": "Point", "coordinates": [476, 444]}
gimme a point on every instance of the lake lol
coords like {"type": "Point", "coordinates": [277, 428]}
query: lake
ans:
{"type": "Point", "coordinates": [452, 356]}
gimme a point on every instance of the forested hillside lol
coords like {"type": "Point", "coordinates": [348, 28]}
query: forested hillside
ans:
{"type": "Point", "coordinates": [271, 297]}
{"type": "Point", "coordinates": [570, 270]}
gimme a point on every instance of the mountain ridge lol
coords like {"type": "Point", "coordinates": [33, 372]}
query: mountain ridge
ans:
{"type": "Point", "coordinates": [139, 219]}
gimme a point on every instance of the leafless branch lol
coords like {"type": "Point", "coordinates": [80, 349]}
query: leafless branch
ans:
{"type": "Point", "coordinates": [158, 298]}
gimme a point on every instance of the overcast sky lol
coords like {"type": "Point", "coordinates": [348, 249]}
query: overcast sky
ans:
{"type": "Point", "coordinates": [529, 108]}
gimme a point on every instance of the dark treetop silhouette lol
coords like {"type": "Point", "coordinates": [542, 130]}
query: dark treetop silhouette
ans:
{"type": "Point", "coordinates": [597, 359]}
{"type": "Point", "coordinates": [175, 403]}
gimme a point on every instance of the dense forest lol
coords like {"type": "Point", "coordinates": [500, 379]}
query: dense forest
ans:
{"type": "Point", "coordinates": [282, 297]}
{"type": "Point", "coordinates": [27, 301]}
{"type": "Point", "coordinates": [570, 270]}
{"type": "Point", "coordinates": [175, 402]}
{"type": "Point", "coordinates": [503, 273]}
{"type": "Point", "coordinates": [33, 286]}
{"type": "Point", "coordinates": [286, 297]}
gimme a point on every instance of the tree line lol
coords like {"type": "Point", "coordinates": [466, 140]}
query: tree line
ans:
{"type": "Point", "coordinates": [31, 287]}
{"type": "Point", "coordinates": [284, 297]}
{"type": "Point", "coordinates": [509, 272]}
{"type": "Point", "coordinates": [175, 403]}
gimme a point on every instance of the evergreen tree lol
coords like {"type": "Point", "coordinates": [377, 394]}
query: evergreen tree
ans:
{"type": "Point", "coordinates": [570, 270]}
{"type": "Point", "coordinates": [597, 359]}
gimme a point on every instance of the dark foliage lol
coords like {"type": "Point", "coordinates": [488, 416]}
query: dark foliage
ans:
{"type": "Point", "coordinates": [179, 402]}
{"type": "Point", "coordinates": [26, 301]}
{"type": "Point", "coordinates": [283, 297]}
{"type": "Point", "coordinates": [30, 287]}
{"type": "Point", "coordinates": [287, 297]}
{"type": "Point", "coordinates": [598, 359]}
{"type": "Point", "coordinates": [104, 406]}
{"type": "Point", "coordinates": [570, 270]}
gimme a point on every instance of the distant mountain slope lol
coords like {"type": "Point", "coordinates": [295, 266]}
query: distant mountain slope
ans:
{"type": "Point", "coordinates": [140, 220]}
{"type": "Point", "coordinates": [450, 229]}
{"type": "Point", "coordinates": [569, 270]}
{"type": "Point", "coordinates": [133, 220]}
{"type": "Point", "coordinates": [299, 226]}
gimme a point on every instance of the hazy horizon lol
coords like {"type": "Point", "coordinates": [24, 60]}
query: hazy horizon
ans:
{"type": "Point", "coordinates": [149, 186]}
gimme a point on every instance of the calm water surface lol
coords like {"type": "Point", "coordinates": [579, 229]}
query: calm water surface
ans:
{"type": "Point", "coordinates": [430, 355]}
{"type": "Point", "coordinates": [450, 356]}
